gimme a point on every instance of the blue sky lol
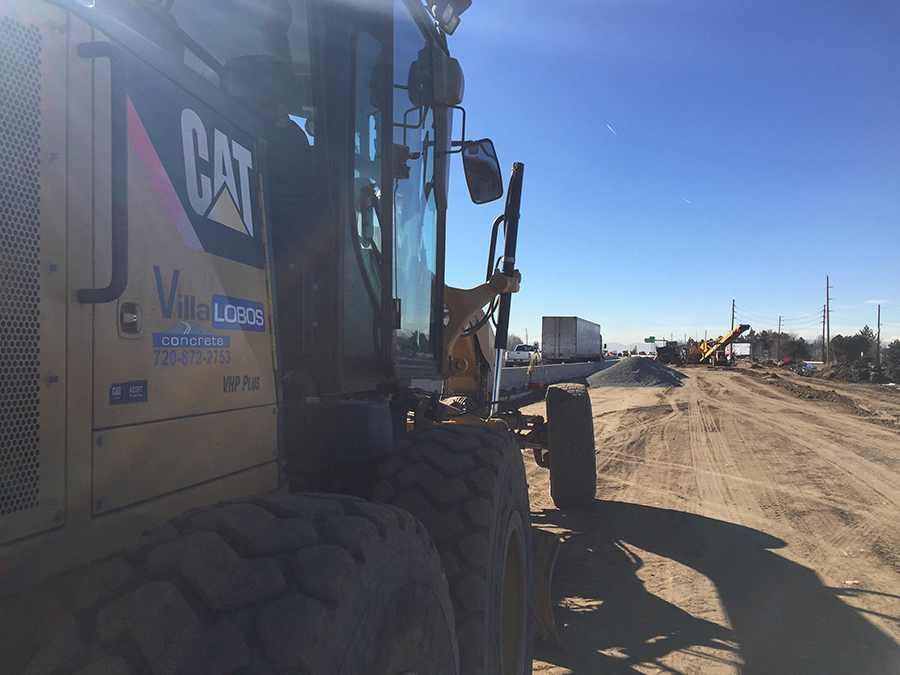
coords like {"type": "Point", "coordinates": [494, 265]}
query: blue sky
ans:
{"type": "Point", "coordinates": [683, 153]}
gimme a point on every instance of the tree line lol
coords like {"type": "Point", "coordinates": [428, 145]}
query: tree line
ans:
{"type": "Point", "coordinates": [858, 348]}
{"type": "Point", "coordinates": [769, 344]}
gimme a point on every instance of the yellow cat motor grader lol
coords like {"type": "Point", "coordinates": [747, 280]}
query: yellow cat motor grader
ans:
{"type": "Point", "coordinates": [222, 228]}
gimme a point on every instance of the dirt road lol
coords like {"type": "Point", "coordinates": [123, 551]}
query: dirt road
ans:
{"type": "Point", "coordinates": [745, 524]}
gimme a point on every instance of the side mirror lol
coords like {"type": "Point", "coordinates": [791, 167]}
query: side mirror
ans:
{"type": "Point", "coordinates": [482, 171]}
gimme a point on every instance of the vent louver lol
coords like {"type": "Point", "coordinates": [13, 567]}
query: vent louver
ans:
{"type": "Point", "coordinates": [20, 107]}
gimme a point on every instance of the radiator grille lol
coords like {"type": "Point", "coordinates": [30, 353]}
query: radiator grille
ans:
{"type": "Point", "coordinates": [20, 101]}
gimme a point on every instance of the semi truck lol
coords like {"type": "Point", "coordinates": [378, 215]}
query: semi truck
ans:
{"type": "Point", "coordinates": [222, 241]}
{"type": "Point", "coordinates": [570, 338]}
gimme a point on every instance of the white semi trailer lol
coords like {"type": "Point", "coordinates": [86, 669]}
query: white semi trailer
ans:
{"type": "Point", "coordinates": [570, 338]}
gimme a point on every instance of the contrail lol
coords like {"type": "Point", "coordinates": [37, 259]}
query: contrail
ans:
{"type": "Point", "coordinates": [686, 199]}
{"type": "Point", "coordinates": [612, 130]}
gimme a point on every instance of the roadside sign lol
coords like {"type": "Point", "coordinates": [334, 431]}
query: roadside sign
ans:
{"type": "Point", "coordinates": [738, 349]}
{"type": "Point", "coordinates": [650, 339]}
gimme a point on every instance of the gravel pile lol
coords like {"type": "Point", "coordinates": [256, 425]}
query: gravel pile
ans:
{"type": "Point", "coordinates": [636, 372]}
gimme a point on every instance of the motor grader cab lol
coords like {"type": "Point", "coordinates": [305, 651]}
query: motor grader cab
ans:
{"type": "Point", "coordinates": [223, 227]}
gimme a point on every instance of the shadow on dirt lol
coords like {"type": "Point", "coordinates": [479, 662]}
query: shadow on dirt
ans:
{"type": "Point", "coordinates": [784, 619]}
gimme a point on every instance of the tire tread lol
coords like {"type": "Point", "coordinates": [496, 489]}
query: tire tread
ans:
{"type": "Point", "coordinates": [447, 477]}
{"type": "Point", "coordinates": [218, 587]}
{"type": "Point", "coordinates": [573, 462]}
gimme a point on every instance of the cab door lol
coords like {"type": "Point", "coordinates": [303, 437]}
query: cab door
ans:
{"type": "Point", "coordinates": [183, 357]}
{"type": "Point", "coordinates": [420, 143]}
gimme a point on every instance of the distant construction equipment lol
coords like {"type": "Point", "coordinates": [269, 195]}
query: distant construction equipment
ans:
{"type": "Point", "coordinates": [713, 351]}
{"type": "Point", "coordinates": [668, 352]}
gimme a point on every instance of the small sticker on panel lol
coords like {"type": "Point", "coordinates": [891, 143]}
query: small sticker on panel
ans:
{"type": "Point", "coordinates": [128, 392]}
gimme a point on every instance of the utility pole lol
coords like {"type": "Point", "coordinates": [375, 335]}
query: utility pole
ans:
{"type": "Point", "coordinates": [827, 323]}
{"type": "Point", "coordinates": [878, 341]}
{"type": "Point", "coordinates": [732, 314]}
{"type": "Point", "coordinates": [824, 344]}
{"type": "Point", "coordinates": [778, 343]}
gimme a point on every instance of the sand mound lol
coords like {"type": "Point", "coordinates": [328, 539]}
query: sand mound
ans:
{"type": "Point", "coordinates": [636, 372]}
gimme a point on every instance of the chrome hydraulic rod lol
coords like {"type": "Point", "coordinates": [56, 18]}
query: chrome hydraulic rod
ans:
{"type": "Point", "coordinates": [498, 370]}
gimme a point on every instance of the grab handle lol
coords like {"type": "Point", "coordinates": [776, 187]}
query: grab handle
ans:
{"type": "Point", "coordinates": [119, 181]}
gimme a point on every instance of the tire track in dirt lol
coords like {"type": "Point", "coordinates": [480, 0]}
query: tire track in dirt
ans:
{"type": "Point", "coordinates": [828, 473]}
{"type": "Point", "coordinates": [711, 457]}
{"type": "Point", "coordinates": [671, 489]}
{"type": "Point", "coordinates": [800, 503]}
{"type": "Point", "coordinates": [731, 449]}
{"type": "Point", "coordinates": [823, 497]}
{"type": "Point", "coordinates": [841, 519]}
{"type": "Point", "coordinates": [867, 401]}
{"type": "Point", "coordinates": [621, 444]}
{"type": "Point", "coordinates": [849, 532]}
{"type": "Point", "coordinates": [832, 435]}
{"type": "Point", "coordinates": [641, 435]}
{"type": "Point", "coordinates": [760, 484]}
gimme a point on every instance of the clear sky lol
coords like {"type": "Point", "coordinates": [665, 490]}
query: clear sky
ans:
{"type": "Point", "coordinates": [681, 154]}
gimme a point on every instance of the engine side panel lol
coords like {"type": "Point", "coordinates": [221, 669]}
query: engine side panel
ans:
{"type": "Point", "coordinates": [116, 416]}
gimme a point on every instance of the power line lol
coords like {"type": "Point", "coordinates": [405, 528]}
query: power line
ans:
{"type": "Point", "coordinates": [745, 312]}
{"type": "Point", "coordinates": [798, 309]}
{"type": "Point", "coordinates": [796, 329]}
{"type": "Point", "coordinates": [812, 321]}
{"type": "Point", "coordinates": [816, 315]}
{"type": "Point", "coordinates": [799, 327]}
{"type": "Point", "coordinates": [749, 310]}
{"type": "Point", "coordinates": [757, 317]}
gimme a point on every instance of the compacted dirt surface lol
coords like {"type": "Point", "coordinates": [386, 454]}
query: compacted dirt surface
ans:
{"type": "Point", "coordinates": [747, 521]}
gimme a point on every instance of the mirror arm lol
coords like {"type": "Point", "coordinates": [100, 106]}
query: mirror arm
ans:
{"type": "Point", "coordinates": [459, 145]}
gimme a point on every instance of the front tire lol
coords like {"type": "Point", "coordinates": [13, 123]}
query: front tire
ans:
{"type": "Point", "coordinates": [467, 485]}
{"type": "Point", "coordinates": [573, 460]}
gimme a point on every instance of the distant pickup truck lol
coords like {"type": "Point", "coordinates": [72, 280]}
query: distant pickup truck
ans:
{"type": "Point", "coordinates": [520, 356]}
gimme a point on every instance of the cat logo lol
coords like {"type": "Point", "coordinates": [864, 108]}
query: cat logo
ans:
{"type": "Point", "coordinates": [224, 196]}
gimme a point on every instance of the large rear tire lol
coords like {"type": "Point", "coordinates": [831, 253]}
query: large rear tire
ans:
{"type": "Point", "coordinates": [467, 485]}
{"type": "Point", "coordinates": [573, 461]}
{"type": "Point", "coordinates": [281, 583]}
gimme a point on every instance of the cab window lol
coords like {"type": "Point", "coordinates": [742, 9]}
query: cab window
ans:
{"type": "Point", "coordinates": [414, 208]}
